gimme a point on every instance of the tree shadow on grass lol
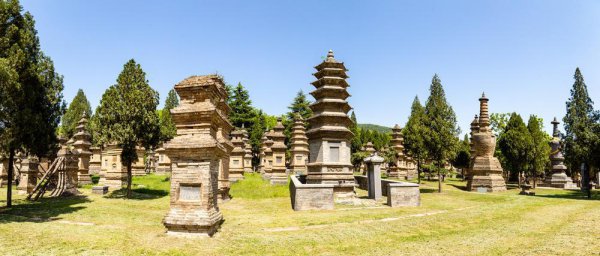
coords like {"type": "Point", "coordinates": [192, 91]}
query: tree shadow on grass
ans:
{"type": "Point", "coordinates": [427, 190]}
{"type": "Point", "coordinates": [43, 210]}
{"type": "Point", "coordinates": [138, 194]}
{"type": "Point", "coordinates": [460, 187]}
{"type": "Point", "coordinates": [574, 194]}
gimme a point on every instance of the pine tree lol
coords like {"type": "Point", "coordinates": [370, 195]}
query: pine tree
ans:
{"type": "Point", "coordinates": [77, 107]}
{"type": "Point", "coordinates": [356, 143]}
{"type": "Point", "coordinates": [516, 145]}
{"type": "Point", "coordinates": [463, 156]}
{"type": "Point", "coordinates": [30, 90]}
{"type": "Point", "coordinates": [167, 126]}
{"type": "Point", "coordinates": [441, 139]}
{"type": "Point", "coordinates": [539, 156]}
{"type": "Point", "coordinates": [414, 134]}
{"type": "Point", "coordinates": [242, 112]}
{"type": "Point", "coordinates": [127, 115]}
{"type": "Point", "coordinates": [578, 123]}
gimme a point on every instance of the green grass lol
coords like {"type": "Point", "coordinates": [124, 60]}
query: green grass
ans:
{"type": "Point", "coordinates": [455, 222]}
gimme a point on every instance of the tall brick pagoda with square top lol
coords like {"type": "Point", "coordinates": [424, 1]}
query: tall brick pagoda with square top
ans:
{"type": "Point", "coordinates": [329, 134]}
{"type": "Point", "coordinates": [196, 153]}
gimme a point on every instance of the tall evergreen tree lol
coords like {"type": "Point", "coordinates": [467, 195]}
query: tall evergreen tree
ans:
{"type": "Point", "coordinates": [242, 112]}
{"type": "Point", "coordinates": [77, 107]}
{"type": "Point", "coordinates": [463, 155]}
{"type": "Point", "coordinates": [540, 151]}
{"type": "Point", "coordinates": [356, 143]}
{"type": "Point", "coordinates": [167, 126]}
{"type": "Point", "coordinates": [516, 145]}
{"type": "Point", "coordinates": [30, 90]}
{"type": "Point", "coordinates": [414, 134]}
{"type": "Point", "coordinates": [127, 115]}
{"type": "Point", "coordinates": [441, 139]}
{"type": "Point", "coordinates": [578, 123]}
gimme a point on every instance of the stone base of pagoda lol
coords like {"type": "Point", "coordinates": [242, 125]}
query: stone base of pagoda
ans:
{"type": "Point", "coordinates": [278, 178]}
{"type": "Point", "coordinates": [236, 175]}
{"type": "Point", "coordinates": [223, 192]}
{"type": "Point", "coordinates": [340, 176]}
{"type": "Point", "coordinates": [114, 180]}
{"type": "Point", "coordinates": [84, 179]}
{"type": "Point", "coordinates": [559, 180]}
{"type": "Point", "coordinates": [138, 171]}
{"type": "Point", "coordinates": [397, 173]}
{"type": "Point", "coordinates": [491, 183]}
{"type": "Point", "coordinates": [184, 222]}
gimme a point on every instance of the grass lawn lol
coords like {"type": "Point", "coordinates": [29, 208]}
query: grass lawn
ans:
{"type": "Point", "coordinates": [259, 221]}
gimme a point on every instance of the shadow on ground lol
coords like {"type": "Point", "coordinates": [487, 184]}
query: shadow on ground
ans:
{"type": "Point", "coordinates": [45, 209]}
{"type": "Point", "coordinates": [574, 194]}
{"type": "Point", "coordinates": [138, 194]}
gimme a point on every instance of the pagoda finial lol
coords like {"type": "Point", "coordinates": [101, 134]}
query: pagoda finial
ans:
{"type": "Point", "coordinates": [484, 119]}
{"type": "Point", "coordinates": [555, 132]}
{"type": "Point", "coordinates": [330, 56]}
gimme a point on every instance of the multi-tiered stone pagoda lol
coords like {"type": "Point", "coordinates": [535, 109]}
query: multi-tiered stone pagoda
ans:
{"type": "Point", "coordinates": [82, 146]}
{"type": "Point", "coordinates": [299, 146]}
{"type": "Point", "coordinates": [247, 151]}
{"type": "Point", "coordinates": [329, 135]}
{"type": "Point", "coordinates": [197, 153]}
{"type": "Point", "coordinates": [278, 170]}
{"type": "Point", "coordinates": [559, 177]}
{"type": "Point", "coordinates": [485, 171]}
{"type": "Point", "coordinates": [398, 170]}
{"type": "Point", "coordinates": [236, 161]}
{"type": "Point", "coordinates": [474, 129]}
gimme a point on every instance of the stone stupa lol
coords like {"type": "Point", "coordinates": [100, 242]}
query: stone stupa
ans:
{"type": "Point", "coordinates": [558, 178]}
{"type": "Point", "coordinates": [485, 171]}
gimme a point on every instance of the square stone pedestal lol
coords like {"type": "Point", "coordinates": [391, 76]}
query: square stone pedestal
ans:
{"type": "Point", "coordinates": [492, 183]}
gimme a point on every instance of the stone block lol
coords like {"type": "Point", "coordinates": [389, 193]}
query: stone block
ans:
{"type": "Point", "coordinates": [100, 190]}
{"type": "Point", "coordinates": [403, 194]}
{"type": "Point", "coordinates": [310, 196]}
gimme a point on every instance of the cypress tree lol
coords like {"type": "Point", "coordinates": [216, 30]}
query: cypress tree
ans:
{"type": "Point", "coordinates": [127, 115]}
{"type": "Point", "coordinates": [242, 112]}
{"type": "Point", "coordinates": [300, 105]}
{"type": "Point", "coordinates": [578, 123]}
{"type": "Point", "coordinates": [356, 143]}
{"type": "Point", "coordinates": [31, 91]}
{"type": "Point", "coordinates": [540, 148]}
{"type": "Point", "coordinates": [77, 107]}
{"type": "Point", "coordinates": [414, 134]}
{"type": "Point", "coordinates": [516, 145]}
{"type": "Point", "coordinates": [441, 139]}
{"type": "Point", "coordinates": [167, 126]}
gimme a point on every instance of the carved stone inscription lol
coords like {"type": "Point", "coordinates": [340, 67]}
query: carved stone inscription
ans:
{"type": "Point", "coordinates": [189, 193]}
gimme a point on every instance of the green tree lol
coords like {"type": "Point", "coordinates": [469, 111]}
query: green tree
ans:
{"type": "Point", "coordinates": [30, 90]}
{"type": "Point", "coordinates": [414, 134]}
{"type": "Point", "coordinates": [579, 122]}
{"type": "Point", "coordinates": [77, 107]}
{"type": "Point", "coordinates": [356, 143]}
{"type": "Point", "coordinates": [516, 145]}
{"type": "Point", "coordinates": [498, 122]}
{"type": "Point", "coordinates": [463, 156]}
{"type": "Point", "coordinates": [441, 139]}
{"type": "Point", "coordinates": [127, 115]}
{"type": "Point", "coordinates": [167, 126]}
{"type": "Point", "coordinates": [539, 155]}
{"type": "Point", "coordinates": [242, 113]}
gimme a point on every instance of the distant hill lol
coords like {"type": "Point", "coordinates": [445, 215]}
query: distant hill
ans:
{"type": "Point", "coordinates": [375, 127]}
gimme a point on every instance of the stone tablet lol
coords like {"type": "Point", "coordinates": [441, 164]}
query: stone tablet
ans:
{"type": "Point", "coordinates": [189, 193]}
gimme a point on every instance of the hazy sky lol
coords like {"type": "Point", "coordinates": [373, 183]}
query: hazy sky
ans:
{"type": "Point", "coordinates": [521, 53]}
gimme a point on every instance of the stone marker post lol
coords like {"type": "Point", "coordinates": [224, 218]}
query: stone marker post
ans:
{"type": "Point", "coordinates": [196, 154]}
{"type": "Point", "coordinates": [374, 175]}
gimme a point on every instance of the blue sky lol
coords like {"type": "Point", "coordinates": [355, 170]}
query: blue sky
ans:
{"type": "Point", "coordinates": [521, 53]}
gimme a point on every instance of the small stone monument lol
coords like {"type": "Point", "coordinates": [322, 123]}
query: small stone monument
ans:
{"type": "Point", "coordinates": [115, 173]}
{"type": "Point", "coordinates": [138, 168]}
{"type": "Point", "coordinates": [95, 160]}
{"type": "Point", "coordinates": [329, 134]}
{"type": "Point", "coordinates": [262, 155]}
{"type": "Point", "coordinates": [82, 146]}
{"type": "Point", "coordinates": [163, 163]}
{"type": "Point", "coordinates": [28, 177]}
{"type": "Point", "coordinates": [485, 171]}
{"type": "Point", "coordinates": [474, 129]}
{"type": "Point", "coordinates": [197, 153]}
{"type": "Point", "coordinates": [559, 177]}
{"type": "Point", "coordinates": [268, 156]}
{"type": "Point", "coordinates": [236, 161]}
{"type": "Point", "coordinates": [374, 175]}
{"type": "Point", "coordinates": [67, 176]}
{"type": "Point", "coordinates": [299, 146]}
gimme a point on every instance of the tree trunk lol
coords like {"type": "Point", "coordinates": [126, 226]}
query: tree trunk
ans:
{"type": "Point", "coordinates": [11, 160]}
{"type": "Point", "coordinates": [439, 179]}
{"type": "Point", "coordinates": [129, 175]}
{"type": "Point", "coordinates": [418, 171]}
